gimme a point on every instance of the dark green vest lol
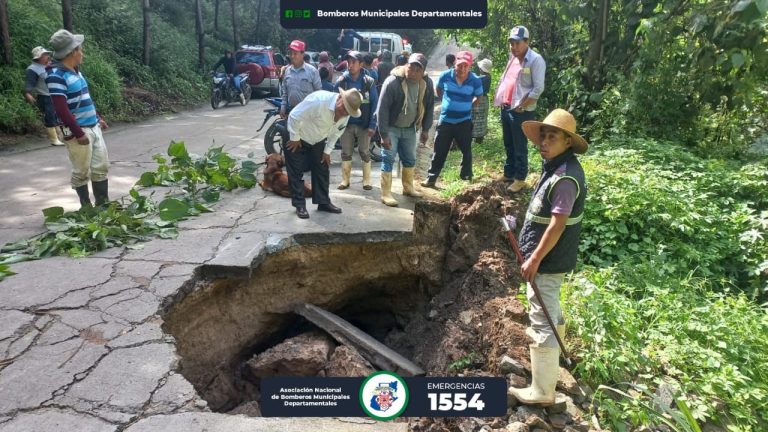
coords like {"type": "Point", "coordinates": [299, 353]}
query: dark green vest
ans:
{"type": "Point", "coordinates": [562, 258]}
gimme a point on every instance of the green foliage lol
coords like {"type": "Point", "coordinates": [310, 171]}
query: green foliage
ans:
{"type": "Point", "coordinates": [463, 362]}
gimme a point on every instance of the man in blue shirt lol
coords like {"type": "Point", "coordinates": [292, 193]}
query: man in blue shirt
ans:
{"type": "Point", "coordinates": [359, 130]}
{"type": "Point", "coordinates": [81, 123]}
{"type": "Point", "coordinates": [459, 89]}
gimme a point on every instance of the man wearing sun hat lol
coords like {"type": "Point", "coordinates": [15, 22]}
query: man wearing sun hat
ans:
{"type": "Point", "coordinates": [36, 92]}
{"type": "Point", "coordinates": [549, 242]}
{"type": "Point", "coordinates": [300, 78]}
{"type": "Point", "coordinates": [520, 87]}
{"type": "Point", "coordinates": [459, 89]}
{"type": "Point", "coordinates": [82, 125]}
{"type": "Point", "coordinates": [314, 126]}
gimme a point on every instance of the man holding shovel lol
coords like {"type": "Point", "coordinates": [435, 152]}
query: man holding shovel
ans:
{"type": "Point", "coordinates": [549, 242]}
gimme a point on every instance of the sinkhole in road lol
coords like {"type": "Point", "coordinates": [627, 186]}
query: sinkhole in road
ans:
{"type": "Point", "coordinates": [380, 282]}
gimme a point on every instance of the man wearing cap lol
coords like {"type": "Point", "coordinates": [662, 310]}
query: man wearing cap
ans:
{"type": "Point", "coordinates": [459, 88]}
{"type": "Point", "coordinates": [549, 242]}
{"type": "Point", "coordinates": [81, 123]}
{"type": "Point", "coordinates": [406, 104]}
{"type": "Point", "coordinates": [300, 78]}
{"type": "Point", "coordinates": [521, 86]}
{"type": "Point", "coordinates": [359, 130]}
{"type": "Point", "coordinates": [36, 92]}
{"type": "Point", "coordinates": [314, 126]}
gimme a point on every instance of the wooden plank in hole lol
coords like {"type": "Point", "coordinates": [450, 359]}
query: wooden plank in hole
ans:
{"type": "Point", "coordinates": [374, 351]}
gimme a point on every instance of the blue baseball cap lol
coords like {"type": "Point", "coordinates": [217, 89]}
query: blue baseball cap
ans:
{"type": "Point", "coordinates": [518, 33]}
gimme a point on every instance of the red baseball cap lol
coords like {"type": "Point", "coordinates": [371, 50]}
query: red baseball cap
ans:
{"type": "Point", "coordinates": [464, 57]}
{"type": "Point", "coordinates": [297, 45]}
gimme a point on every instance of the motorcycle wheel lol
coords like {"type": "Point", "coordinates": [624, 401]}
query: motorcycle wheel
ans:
{"type": "Point", "coordinates": [246, 89]}
{"type": "Point", "coordinates": [215, 98]}
{"type": "Point", "coordinates": [375, 148]}
{"type": "Point", "coordinates": [273, 140]}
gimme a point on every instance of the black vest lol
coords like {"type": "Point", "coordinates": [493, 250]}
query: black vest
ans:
{"type": "Point", "coordinates": [562, 258]}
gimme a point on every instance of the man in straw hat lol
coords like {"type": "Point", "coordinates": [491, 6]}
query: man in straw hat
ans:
{"type": "Point", "coordinates": [520, 87]}
{"type": "Point", "coordinates": [314, 126]}
{"type": "Point", "coordinates": [549, 241]}
{"type": "Point", "coordinates": [81, 123]}
{"type": "Point", "coordinates": [36, 92]}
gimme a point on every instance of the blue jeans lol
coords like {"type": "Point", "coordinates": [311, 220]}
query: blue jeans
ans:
{"type": "Point", "coordinates": [236, 81]}
{"type": "Point", "coordinates": [515, 143]}
{"type": "Point", "coordinates": [403, 144]}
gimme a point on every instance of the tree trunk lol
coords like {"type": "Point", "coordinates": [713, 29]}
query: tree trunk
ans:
{"type": "Point", "coordinates": [256, 29]}
{"type": "Point", "coordinates": [66, 12]}
{"type": "Point", "coordinates": [215, 17]}
{"type": "Point", "coordinates": [200, 35]}
{"type": "Point", "coordinates": [147, 34]}
{"type": "Point", "coordinates": [235, 39]}
{"type": "Point", "coordinates": [597, 46]}
{"type": "Point", "coordinates": [5, 33]}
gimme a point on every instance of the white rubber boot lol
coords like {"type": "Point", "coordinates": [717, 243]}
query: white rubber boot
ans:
{"type": "Point", "coordinates": [53, 137]}
{"type": "Point", "coordinates": [545, 370]}
{"type": "Point", "coordinates": [346, 173]}
{"type": "Point", "coordinates": [367, 175]}
{"type": "Point", "coordinates": [408, 187]}
{"type": "Point", "coordinates": [386, 189]}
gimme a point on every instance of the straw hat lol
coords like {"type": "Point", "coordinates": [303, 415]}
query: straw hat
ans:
{"type": "Point", "coordinates": [560, 119]}
{"type": "Point", "coordinates": [352, 100]}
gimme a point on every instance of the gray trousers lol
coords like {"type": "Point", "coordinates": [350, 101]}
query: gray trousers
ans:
{"type": "Point", "coordinates": [549, 286]}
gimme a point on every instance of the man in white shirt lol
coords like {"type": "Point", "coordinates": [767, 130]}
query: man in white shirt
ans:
{"type": "Point", "coordinates": [314, 126]}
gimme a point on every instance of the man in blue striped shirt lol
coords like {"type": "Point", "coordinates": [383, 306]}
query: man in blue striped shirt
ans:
{"type": "Point", "coordinates": [459, 89]}
{"type": "Point", "coordinates": [81, 124]}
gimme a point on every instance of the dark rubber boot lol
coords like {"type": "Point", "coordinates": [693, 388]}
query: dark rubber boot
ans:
{"type": "Point", "coordinates": [101, 192]}
{"type": "Point", "coordinates": [82, 193]}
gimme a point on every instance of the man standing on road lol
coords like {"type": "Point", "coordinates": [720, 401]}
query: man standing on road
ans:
{"type": "Point", "coordinates": [549, 242]}
{"type": "Point", "coordinates": [521, 86]}
{"type": "Point", "coordinates": [359, 130]}
{"type": "Point", "coordinates": [82, 124]}
{"type": "Point", "coordinates": [406, 104]}
{"type": "Point", "coordinates": [459, 88]}
{"type": "Point", "coordinates": [300, 79]}
{"type": "Point", "coordinates": [36, 92]}
{"type": "Point", "coordinates": [314, 126]}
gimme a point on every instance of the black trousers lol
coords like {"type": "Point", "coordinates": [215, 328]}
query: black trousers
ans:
{"type": "Point", "coordinates": [309, 155]}
{"type": "Point", "coordinates": [446, 133]}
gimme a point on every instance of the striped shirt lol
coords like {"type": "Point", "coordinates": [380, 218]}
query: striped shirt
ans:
{"type": "Point", "coordinates": [72, 85]}
{"type": "Point", "coordinates": [457, 99]}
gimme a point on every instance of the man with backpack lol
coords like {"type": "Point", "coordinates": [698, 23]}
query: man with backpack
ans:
{"type": "Point", "coordinates": [359, 130]}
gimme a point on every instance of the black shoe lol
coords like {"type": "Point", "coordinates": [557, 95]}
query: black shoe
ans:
{"type": "Point", "coordinates": [330, 208]}
{"type": "Point", "coordinates": [302, 213]}
{"type": "Point", "coordinates": [83, 194]}
{"type": "Point", "coordinates": [429, 184]}
{"type": "Point", "coordinates": [101, 192]}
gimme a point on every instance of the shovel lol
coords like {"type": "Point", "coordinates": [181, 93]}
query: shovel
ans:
{"type": "Point", "coordinates": [509, 223]}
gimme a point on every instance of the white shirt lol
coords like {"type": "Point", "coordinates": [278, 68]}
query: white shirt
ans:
{"type": "Point", "coordinates": [312, 121]}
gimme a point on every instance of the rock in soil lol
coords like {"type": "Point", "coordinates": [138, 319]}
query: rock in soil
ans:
{"type": "Point", "coordinates": [509, 365]}
{"type": "Point", "coordinates": [558, 421]}
{"type": "Point", "coordinates": [250, 409]}
{"type": "Point", "coordinates": [560, 405]}
{"type": "Point", "coordinates": [567, 383]}
{"type": "Point", "coordinates": [517, 427]}
{"type": "Point", "coordinates": [347, 362]}
{"type": "Point", "coordinates": [303, 355]}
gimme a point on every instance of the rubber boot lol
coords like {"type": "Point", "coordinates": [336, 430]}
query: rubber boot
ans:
{"type": "Point", "coordinates": [53, 137]}
{"type": "Point", "coordinates": [367, 175]}
{"type": "Point", "coordinates": [101, 192]}
{"type": "Point", "coordinates": [84, 195]}
{"type": "Point", "coordinates": [346, 173]}
{"type": "Point", "coordinates": [408, 187]}
{"type": "Point", "coordinates": [545, 370]}
{"type": "Point", "coordinates": [386, 189]}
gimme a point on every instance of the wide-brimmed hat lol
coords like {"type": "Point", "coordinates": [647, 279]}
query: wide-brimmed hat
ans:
{"type": "Point", "coordinates": [38, 52]}
{"type": "Point", "coordinates": [559, 119]}
{"type": "Point", "coordinates": [352, 100]}
{"type": "Point", "coordinates": [63, 42]}
{"type": "Point", "coordinates": [297, 45]}
{"type": "Point", "coordinates": [485, 65]}
{"type": "Point", "coordinates": [464, 57]}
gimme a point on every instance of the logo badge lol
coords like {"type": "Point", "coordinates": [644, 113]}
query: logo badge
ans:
{"type": "Point", "coordinates": [384, 395]}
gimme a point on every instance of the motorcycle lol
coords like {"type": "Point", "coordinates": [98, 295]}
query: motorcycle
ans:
{"type": "Point", "coordinates": [277, 133]}
{"type": "Point", "coordinates": [223, 89]}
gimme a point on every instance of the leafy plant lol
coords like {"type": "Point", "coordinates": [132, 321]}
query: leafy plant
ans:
{"type": "Point", "coordinates": [462, 363]}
